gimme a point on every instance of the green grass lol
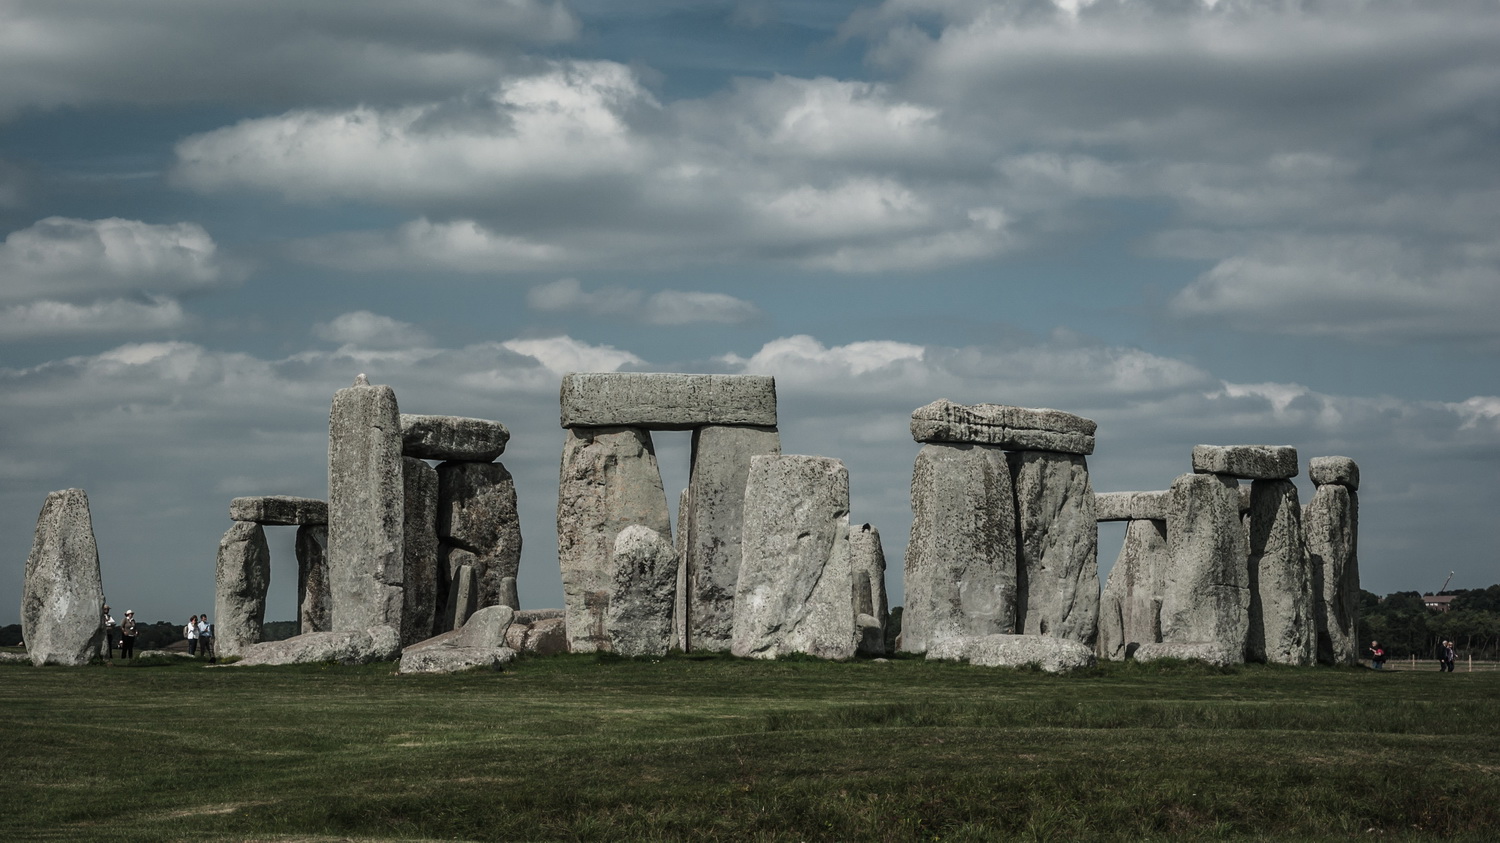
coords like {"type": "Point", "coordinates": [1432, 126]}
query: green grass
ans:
{"type": "Point", "coordinates": [581, 747]}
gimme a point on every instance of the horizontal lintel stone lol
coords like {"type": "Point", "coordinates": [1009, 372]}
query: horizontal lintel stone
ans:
{"type": "Point", "coordinates": [1247, 462]}
{"type": "Point", "coordinates": [666, 401]}
{"type": "Point", "coordinates": [452, 438]}
{"type": "Point", "coordinates": [1011, 428]}
{"type": "Point", "coordinates": [1334, 471]}
{"type": "Point", "coordinates": [279, 510]}
{"type": "Point", "coordinates": [1131, 506]}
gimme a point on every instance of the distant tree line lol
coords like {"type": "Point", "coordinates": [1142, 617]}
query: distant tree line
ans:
{"type": "Point", "coordinates": [1405, 627]}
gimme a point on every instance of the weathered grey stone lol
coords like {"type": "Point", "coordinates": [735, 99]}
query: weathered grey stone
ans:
{"type": "Point", "coordinates": [679, 602]}
{"type": "Point", "coordinates": [244, 574]}
{"type": "Point", "coordinates": [314, 602]}
{"type": "Point", "coordinates": [867, 563]}
{"type": "Point", "coordinates": [509, 594]}
{"type": "Point", "coordinates": [454, 659]}
{"type": "Point", "coordinates": [462, 590]}
{"type": "Point", "coordinates": [716, 520]}
{"type": "Point", "coordinates": [1244, 492]}
{"type": "Point", "coordinates": [452, 438]}
{"type": "Point", "coordinates": [477, 512]}
{"type": "Point", "coordinates": [1282, 629]}
{"type": "Point", "coordinates": [609, 480]}
{"type": "Point", "coordinates": [486, 629]}
{"type": "Point", "coordinates": [366, 520]}
{"type": "Point", "coordinates": [546, 637]}
{"type": "Point", "coordinates": [1131, 506]}
{"type": "Point", "coordinates": [1330, 523]}
{"type": "Point", "coordinates": [530, 616]}
{"type": "Point", "coordinates": [1213, 653]}
{"type": "Point", "coordinates": [639, 620]}
{"type": "Point", "coordinates": [1057, 549]}
{"type": "Point", "coordinates": [1012, 428]}
{"type": "Point", "coordinates": [419, 610]}
{"type": "Point", "coordinates": [660, 401]}
{"type": "Point", "coordinates": [961, 559]}
{"type": "Point", "coordinates": [1251, 462]}
{"type": "Point", "coordinates": [279, 510]}
{"type": "Point", "coordinates": [350, 646]}
{"type": "Point", "coordinates": [1130, 607]}
{"type": "Point", "coordinates": [1206, 597]}
{"type": "Point", "coordinates": [795, 589]}
{"type": "Point", "coordinates": [1051, 654]}
{"type": "Point", "coordinates": [62, 596]}
{"type": "Point", "coordinates": [1334, 471]}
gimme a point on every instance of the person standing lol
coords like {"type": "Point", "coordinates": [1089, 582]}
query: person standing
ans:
{"type": "Point", "coordinates": [109, 633]}
{"type": "Point", "coordinates": [191, 632]}
{"type": "Point", "coordinates": [127, 636]}
{"type": "Point", "coordinates": [1377, 656]}
{"type": "Point", "coordinates": [206, 637]}
{"type": "Point", "coordinates": [1446, 654]}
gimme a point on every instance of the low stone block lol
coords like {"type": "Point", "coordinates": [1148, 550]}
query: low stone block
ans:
{"type": "Point", "coordinates": [359, 646]}
{"type": "Point", "coordinates": [1218, 655]}
{"type": "Point", "coordinates": [1011, 428]}
{"type": "Point", "coordinates": [546, 636]}
{"type": "Point", "coordinates": [1247, 462]}
{"type": "Point", "coordinates": [661, 401]}
{"type": "Point", "coordinates": [1053, 655]}
{"type": "Point", "coordinates": [1131, 506]}
{"type": "Point", "coordinates": [279, 510]}
{"type": "Point", "coordinates": [1334, 471]}
{"type": "Point", "coordinates": [452, 438]}
{"type": "Point", "coordinates": [454, 659]}
{"type": "Point", "coordinates": [479, 643]}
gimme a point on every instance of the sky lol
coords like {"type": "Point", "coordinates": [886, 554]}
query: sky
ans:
{"type": "Point", "coordinates": [1193, 222]}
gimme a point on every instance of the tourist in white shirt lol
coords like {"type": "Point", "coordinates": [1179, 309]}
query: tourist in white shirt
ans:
{"type": "Point", "coordinates": [191, 630]}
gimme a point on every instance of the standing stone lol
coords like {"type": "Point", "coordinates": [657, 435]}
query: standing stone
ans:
{"type": "Point", "coordinates": [314, 603]}
{"type": "Point", "coordinates": [244, 574]}
{"type": "Point", "coordinates": [961, 559]}
{"type": "Point", "coordinates": [463, 595]}
{"type": "Point", "coordinates": [1130, 608]}
{"type": "Point", "coordinates": [1331, 524]}
{"type": "Point", "coordinates": [477, 513]}
{"type": "Point", "coordinates": [420, 544]}
{"type": "Point", "coordinates": [366, 498]}
{"type": "Point", "coordinates": [871, 611]}
{"type": "Point", "coordinates": [1206, 599]}
{"type": "Point", "coordinates": [639, 621]}
{"type": "Point", "coordinates": [679, 603]}
{"type": "Point", "coordinates": [62, 596]}
{"type": "Point", "coordinates": [795, 589]}
{"type": "Point", "coordinates": [1282, 629]}
{"type": "Point", "coordinates": [1057, 551]}
{"type": "Point", "coordinates": [716, 516]}
{"type": "Point", "coordinates": [608, 481]}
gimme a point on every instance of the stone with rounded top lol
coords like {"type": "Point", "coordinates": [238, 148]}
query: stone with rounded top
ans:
{"type": "Point", "coordinates": [666, 401]}
{"type": "Point", "coordinates": [1247, 462]}
{"type": "Point", "coordinates": [1334, 471]}
{"type": "Point", "coordinates": [1011, 428]}
{"type": "Point", "coordinates": [1330, 523]}
{"type": "Point", "coordinates": [62, 595]}
{"type": "Point", "coordinates": [641, 602]}
{"type": "Point", "coordinates": [867, 560]}
{"type": "Point", "coordinates": [279, 510]}
{"type": "Point", "coordinates": [1131, 506]}
{"type": "Point", "coordinates": [452, 438]}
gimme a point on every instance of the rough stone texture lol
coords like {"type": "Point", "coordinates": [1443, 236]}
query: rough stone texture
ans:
{"type": "Point", "coordinates": [1051, 654]}
{"type": "Point", "coordinates": [1330, 523]}
{"type": "Point", "coordinates": [867, 564]}
{"type": "Point", "coordinates": [279, 510]}
{"type": "Point", "coordinates": [1130, 607]}
{"type": "Point", "coordinates": [480, 642]}
{"type": "Point", "coordinates": [1282, 629]}
{"type": "Point", "coordinates": [608, 481]}
{"type": "Point", "coordinates": [452, 438]}
{"type": "Point", "coordinates": [419, 611]}
{"type": "Point", "coordinates": [1216, 654]}
{"type": "Point", "coordinates": [314, 602]}
{"type": "Point", "coordinates": [795, 589]}
{"type": "Point", "coordinates": [1012, 428]}
{"type": "Point", "coordinates": [62, 596]}
{"type": "Point", "coordinates": [244, 574]}
{"type": "Point", "coordinates": [530, 616]}
{"type": "Point", "coordinates": [545, 637]}
{"type": "Point", "coordinates": [679, 601]}
{"type": "Point", "coordinates": [661, 401]}
{"type": "Point", "coordinates": [715, 525]}
{"type": "Point", "coordinates": [1057, 549]}
{"type": "Point", "coordinates": [477, 512]}
{"type": "Point", "coordinates": [366, 563]}
{"type": "Point", "coordinates": [1250, 462]}
{"type": "Point", "coordinates": [354, 646]}
{"type": "Point", "coordinates": [462, 592]}
{"type": "Point", "coordinates": [1206, 597]}
{"type": "Point", "coordinates": [1131, 506]}
{"type": "Point", "coordinates": [509, 594]}
{"type": "Point", "coordinates": [1334, 471]}
{"type": "Point", "coordinates": [639, 620]}
{"type": "Point", "coordinates": [961, 558]}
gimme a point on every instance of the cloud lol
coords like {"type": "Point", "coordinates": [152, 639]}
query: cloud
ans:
{"type": "Point", "coordinates": [41, 319]}
{"type": "Point", "coordinates": [561, 355]}
{"type": "Point", "coordinates": [64, 258]}
{"type": "Point", "coordinates": [667, 307]}
{"type": "Point", "coordinates": [364, 329]}
{"type": "Point", "coordinates": [455, 245]}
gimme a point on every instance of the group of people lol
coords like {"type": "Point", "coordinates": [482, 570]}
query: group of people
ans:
{"type": "Point", "coordinates": [199, 633]}
{"type": "Point", "coordinates": [1446, 655]}
{"type": "Point", "coordinates": [200, 636]}
{"type": "Point", "coordinates": [127, 634]}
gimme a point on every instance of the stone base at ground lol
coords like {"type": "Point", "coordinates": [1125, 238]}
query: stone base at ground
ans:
{"type": "Point", "coordinates": [361, 646]}
{"type": "Point", "coordinates": [1218, 655]}
{"type": "Point", "coordinates": [1053, 655]}
{"type": "Point", "coordinates": [540, 637]}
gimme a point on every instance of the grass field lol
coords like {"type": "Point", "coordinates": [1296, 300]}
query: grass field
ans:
{"type": "Point", "coordinates": [579, 747]}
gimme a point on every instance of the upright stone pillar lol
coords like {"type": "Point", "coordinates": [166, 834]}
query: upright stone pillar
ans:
{"type": "Point", "coordinates": [244, 574]}
{"type": "Point", "coordinates": [1130, 608]}
{"type": "Point", "coordinates": [420, 544]}
{"type": "Point", "coordinates": [477, 513]}
{"type": "Point", "coordinates": [1057, 552]}
{"type": "Point", "coordinates": [1282, 627]}
{"type": "Point", "coordinates": [644, 585]}
{"type": "Point", "coordinates": [366, 508]}
{"type": "Point", "coordinates": [871, 610]}
{"type": "Point", "coordinates": [314, 602]}
{"type": "Point", "coordinates": [62, 596]}
{"type": "Point", "coordinates": [609, 480]}
{"type": "Point", "coordinates": [716, 514]}
{"type": "Point", "coordinates": [1206, 599]}
{"type": "Point", "coordinates": [1331, 525]}
{"type": "Point", "coordinates": [679, 603]}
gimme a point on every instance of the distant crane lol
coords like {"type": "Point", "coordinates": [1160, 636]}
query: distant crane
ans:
{"type": "Point", "coordinates": [1445, 583]}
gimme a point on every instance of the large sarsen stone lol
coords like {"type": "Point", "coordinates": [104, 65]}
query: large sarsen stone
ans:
{"type": "Point", "coordinates": [1012, 428]}
{"type": "Point", "coordinates": [62, 597]}
{"type": "Point", "coordinates": [452, 438]}
{"type": "Point", "coordinates": [662, 401]}
{"type": "Point", "coordinates": [1057, 552]}
{"type": "Point", "coordinates": [639, 621]}
{"type": "Point", "coordinates": [1330, 522]}
{"type": "Point", "coordinates": [244, 574]}
{"type": "Point", "coordinates": [366, 508]}
{"type": "Point", "coordinates": [1130, 607]}
{"type": "Point", "coordinates": [1251, 462]}
{"type": "Point", "coordinates": [1282, 629]}
{"type": "Point", "coordinates": [1206, 598]}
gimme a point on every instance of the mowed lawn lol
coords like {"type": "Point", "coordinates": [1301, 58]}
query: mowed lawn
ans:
{"type": "Point", "coordinates": [581, 747]}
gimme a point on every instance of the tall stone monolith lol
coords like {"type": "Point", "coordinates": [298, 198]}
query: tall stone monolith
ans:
{"type": "Point", "coordinates": [1057, 548]}
{"type": "Point", "coordinates": [608, 481]}
{"type": "Point", "coordinates": [314, 602]}
{"type": "Point", "coordinates": [477, 512]}
{"type": "Point", "coordinates": [243, 575]}
{"type": "Point", "coordinates": [1330, 522]}
{"type": "Point", "coordinates": [644, 586]}
{"type": "Point", "coordinates": [1206, 599]}
{"type": "Point", "coordinates": [867, 562]}
{"type": "Point", "coordinates": [1282, 626]}
{"type": "Point", "coordinates": [419, 609]}
{"type": "Point", "coordinates": [62, 596]}
{"type": "Point", "coordinates": [1130, 607]}
{"type": "Point", "coordinates": [366, 508]}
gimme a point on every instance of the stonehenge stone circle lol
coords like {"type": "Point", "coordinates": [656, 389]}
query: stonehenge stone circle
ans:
{"type": "Point", "coordinates": [1213, 653]}
{"type": "Point", "coordinates": [1282, 629]}
{"type": "Point", "coordinates": [1131, 506]}
{"type": "Point", "coordinates": [314, 602]}
{"type": "Point", "coordinates": [1248, 462]}
{"type": "Point", "coordinates": [1330, 522]}
{"type": "Point", "coordinates": [1206, 597]}
{"type": "Point", "coordinates": [350, 646]}
{"type": "Point", "coordinates": [1011, 428]}
{"type": "Point", "coordinates": [1051, 654]}
{"type": "Point", "coordinates": [644, 591]}
{"type": "Point", "coordinates": [477, 513]}
{"type": "Point", "coordinates": [867, 562]}
{"type": "Point", "coordinates": [419, 610]}
{"type": "Point", "coordinates": [659, 401]}
{"type": "Point", "coordinates": [1057, 548]}
{"type": "Point", "coordinates": [243, 575]}
{"type": "Point", "coordinates": [1130, 607]}
{"type": "Point", "coordinates": [795, 589]}
{"type": "Point", "coordinates": [1334, 471]}
{"type": "Point", "coordinates": [366, 518]}
{"type": "Point", "coordinates": [480, 642]}
{"type": "Point", "coordinates": [452, 438]}
{"type": "Point", "coordinates": [279, 510]}
{"type": "Point", "coordinates": [62, 595]}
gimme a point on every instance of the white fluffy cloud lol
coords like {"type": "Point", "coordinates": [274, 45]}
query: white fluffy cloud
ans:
{"type": "Point", "coordinates": [667, 307]}
{"type": "Point", "coordinates": [46, 318]}
{"type": "Point", "coordinates": [64, 258]}
{"type": "Point", "coordinates": [363, 329]}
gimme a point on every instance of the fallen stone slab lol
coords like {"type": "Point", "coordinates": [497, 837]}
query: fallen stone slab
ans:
{"type": "Point", "coordinates": [1247, 462]}
{"type": "Point", "coordinates": [170, 654]}
{"type": "Point", "coordinates": [279, 510]}
{"type": "Point", "coordinates": [454, 659]}
{"type": "Point", "coordinates": [15, 658]}
{"type": "Point", "coordinates": [1011, 428]}
{"type": "Point", "coordinates": [1334, 471]}
{"type": "Point", "coordinates": [1053, 655]}
{"type": "Point", "coordinates": [662, 401]}
{"type": "Point", "coordinates": [1131, 506]}
{"type": "Point", "coordinates": [480, 642]}
{"type": "Point", "coordinates": [452, 438]}
{"type": "Point", "coordinates": [62, 595]}
{"type": "Point", "coordinates": [356, 646]}
{"type": "Point", "coordinates": [1218, 655]}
